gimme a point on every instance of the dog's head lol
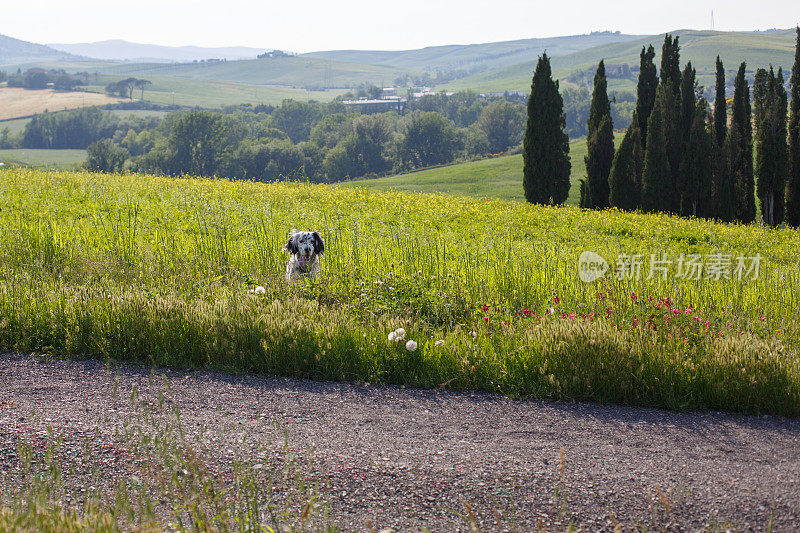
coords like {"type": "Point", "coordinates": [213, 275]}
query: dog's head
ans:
{"type": "Point", "coordinates": [305, 245]}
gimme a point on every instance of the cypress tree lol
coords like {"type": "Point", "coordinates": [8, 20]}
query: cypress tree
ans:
{"type": "Point", "coordinates": [546, 146]}
{"type": "Point", "coordinates": [688, 103]}
{"type": "Point", "coordinates": [600, 104]}
{"type": "Point", "coordinates": [723, 193]}
{"type": "Point", "coordinates": [675, 143]}
{"type": "Point", "coordinates": [688, 99]}
{"type": "Point", "coordinates": [793, 184]}
{"type": "Point", "coordinates": [625, 179]}
{"type": "Point", "coordinates": [720, 106]}
{"type": "Point", "coordinates": [740, 150]}
{"type": "Point", "coordinates": [656, 177]}
{"type": "Point", "coordinates": [586, 195]}
{"type": "Point", "coordinates": [697, 165]}
{"type": "Point", "coordinates": [672, 116]}
{"type": "Point", "coordinates": [670, 63]}
{"type": "Point", "coordinates": [759, 97]}
{"type": "Point", "coordinates": [646, 90]}
{"type": "Point", "coordinates": [600, 145]}
{"type": "Point", "coordinates": [772, 152]}
{"type": "Point", "coordinates": [598, 163]}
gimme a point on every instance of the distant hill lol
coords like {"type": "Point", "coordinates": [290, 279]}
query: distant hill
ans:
{"type": "Point", "coordinates": [476, 56]}
{"type": "Point", "coordinates": [758, 49]}
{"type": "Point", "coordinates": [117, 50]}
{"type": "Point", "coordinates": [291, 71]}
{"type": "Point", "coordinates": [14, 51]}
{"type": "Point", "coordinates": [489, 67]}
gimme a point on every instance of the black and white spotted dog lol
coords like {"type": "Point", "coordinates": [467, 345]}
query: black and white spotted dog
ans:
{"type": "Point", "coordinates": [305, 247]}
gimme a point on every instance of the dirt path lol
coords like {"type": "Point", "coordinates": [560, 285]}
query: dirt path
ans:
{"type": "Point", "coordinates": [409, 458]}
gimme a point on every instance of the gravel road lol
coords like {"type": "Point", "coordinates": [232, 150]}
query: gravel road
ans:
{"type": "Point", "coordinates": [406, 458]}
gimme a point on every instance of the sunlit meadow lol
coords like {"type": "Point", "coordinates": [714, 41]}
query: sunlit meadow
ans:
{"type": "Point", "coordinates": [160, 271]}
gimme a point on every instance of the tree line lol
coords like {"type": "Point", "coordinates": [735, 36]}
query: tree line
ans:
{"type": "Point", "coordinates": [39, 78]}
{"type": "Point", "coordinates": [320, 142]}
{"type": "Point", "coordinates": [680, 154]}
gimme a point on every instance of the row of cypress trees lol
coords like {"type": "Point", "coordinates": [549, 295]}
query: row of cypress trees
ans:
{"type": "Point", "coordinates": [676, 156]}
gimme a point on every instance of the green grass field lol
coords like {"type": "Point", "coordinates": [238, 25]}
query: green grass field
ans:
{"type": "Point", "coordinates": [14, 126]}
{"type": "Point", "coordinates": [497, 177]}
{"type": "Point", "coordinates": [60, 159]}
{"type": "Point", "coordinates": [287, 71]}
{"type": "Point", "coordinates": [159, 271]}
{"type": "Point", "coordinates": [214, 94]}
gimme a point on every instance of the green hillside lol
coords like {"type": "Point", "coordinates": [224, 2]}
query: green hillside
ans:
{"type": "Point", "coordinates": [300, 72]}
{"type": "Point", "coordinates": [699, 47]}
{"type": "Point", "coordinates": [270, 80]}
{"type": "Point", "coordinates": [498, 177]}
{"type": "Point", "coordinates": [208, 93]}
{"type": "Point", "coordinates": [468, 56]}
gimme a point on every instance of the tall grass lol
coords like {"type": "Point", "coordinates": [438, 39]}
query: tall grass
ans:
{"type": "Point", "coordinates": [158, 270]}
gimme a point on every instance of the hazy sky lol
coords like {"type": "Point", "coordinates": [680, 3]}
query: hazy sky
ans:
{"type": "Point", "coordinates": [307, 25]}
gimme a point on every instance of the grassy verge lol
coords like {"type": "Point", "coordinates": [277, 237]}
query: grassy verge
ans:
{"type": "Point", "coordinates": [157, 270]}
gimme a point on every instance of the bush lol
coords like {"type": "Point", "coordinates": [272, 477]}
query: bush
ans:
{"type": "Point", "coordinates": [105, 156]}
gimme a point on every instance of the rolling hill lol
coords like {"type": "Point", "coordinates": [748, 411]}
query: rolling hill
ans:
{"type": "Point", "coordinates": [758, 49]}
{"type": "Point", "coordinates": [476, 56]}
{"type": "Point", "coordinates": [18, 51]}
{"type": "Point", "coordinates": [307, 72]}
{"type": "Point", "coordinates": [294, 71]}
{"type": "Point", "coordinates": [499, 66]}
{"type": "Point", "coordinates": [118, 50]}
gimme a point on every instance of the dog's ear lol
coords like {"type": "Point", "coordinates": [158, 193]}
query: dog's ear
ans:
{"type": "Point", "coordinates": [319, 245]}
{"type": "Point", "coordinates": [291, 246]}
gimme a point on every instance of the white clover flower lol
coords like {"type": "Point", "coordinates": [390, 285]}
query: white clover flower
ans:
{"type": "Point", "coordinates": [411, 346]}
{"type": "Point", "coordinates": [392, 336]}
{"type": "Point", "coordinates": [400, 332]}
{"type": "Point", "coordinates": [438, 343]}
{"type": "Point", "coordinates": [260, 290]}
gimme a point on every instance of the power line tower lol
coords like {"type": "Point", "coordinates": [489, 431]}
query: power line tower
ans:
{"type": "Point", "coordinates": [712, 20]}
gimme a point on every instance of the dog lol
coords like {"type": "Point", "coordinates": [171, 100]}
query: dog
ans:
{"type": "Point", "coordinates": [304, 249]}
